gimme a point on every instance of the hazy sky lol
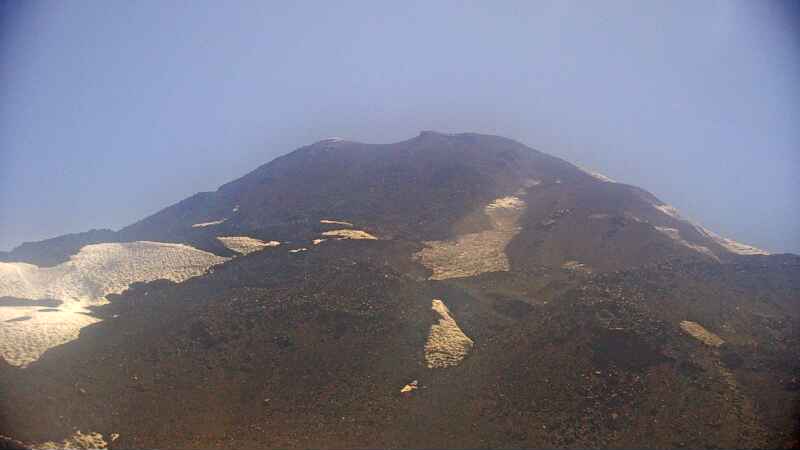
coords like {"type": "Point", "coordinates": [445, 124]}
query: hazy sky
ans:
{"type": "Point", "coordinates": [112, 110]}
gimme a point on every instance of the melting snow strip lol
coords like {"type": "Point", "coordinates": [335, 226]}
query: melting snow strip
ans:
{"type": "Point", "coordinates": [335, 222]}
{"type": "Point", "coordinates": [596, 175]}
{"type": "Point", "coordinates": [729, 244]}
{"type": "Point", "coordinates": [208, 224]}
{"type": "Point", "coordinates": [349, 234]}
{"type": "Point", "coordinates": [675, 235]}
{"type": "Point", "coordinates": [245, 245]}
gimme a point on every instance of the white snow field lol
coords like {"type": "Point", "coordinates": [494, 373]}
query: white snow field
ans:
{"type": "Point", "coordinates": [475, 253]}
{"type": "Point", "coordinates": [96, 271]}
{"type": "Point", "coordinates": [447, 345]}
{"type": "Point", "coordinates": [729, 244]}
{"type": "Point", "coordinates": [245, 245]}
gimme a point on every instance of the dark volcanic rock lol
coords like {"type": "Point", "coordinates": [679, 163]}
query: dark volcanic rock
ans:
{"type": "Point", "coordinates": [7, 443]}
{"type": "Point", "coordinates": [299, 350]}
{"type": "Point", "coordinates": [623, 349]}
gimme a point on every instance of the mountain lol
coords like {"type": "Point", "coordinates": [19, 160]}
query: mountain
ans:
{"type": "Point", "coordinates": [51, 252]}
{"type": "Point", "coordinates": [450, 290]}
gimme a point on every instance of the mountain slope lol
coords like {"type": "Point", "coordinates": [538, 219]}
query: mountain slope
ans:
{"type": "Point", "coordinates": [445, 291]}
{"type": "Point", "coordinates": [432, 187]}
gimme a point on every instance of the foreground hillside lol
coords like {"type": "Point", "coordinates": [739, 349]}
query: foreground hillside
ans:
{"type": "Point", "coordinates": [446, 291]}
{"type": "Point", "coordinates": [319, 351]}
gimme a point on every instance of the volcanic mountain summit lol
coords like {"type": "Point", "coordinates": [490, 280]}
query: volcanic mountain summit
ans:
{"type": "Point", "coordinates": [451, 290]}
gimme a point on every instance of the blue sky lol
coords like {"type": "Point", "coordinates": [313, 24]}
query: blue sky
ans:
{"type": "Point", "coordinates": [112, 110]}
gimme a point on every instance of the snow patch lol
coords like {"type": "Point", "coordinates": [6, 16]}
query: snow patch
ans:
{"type": "Point", "coordinates": [575, 266]}
{"type": "Point", "coordinates": [596, 175]}
{"type": "Point", "coordinates": [208, 224]}
{"type": "Point", "coordinates": [507, 202]}
{"type": "Point", "coordinates": [447, 345]}
{"type": "Point", "coordinates": [634, 218]}
{"type": "Point", "coordinates": [675, 235]}
{"type": "Point", "coordinates": [531, 182]}
{"type": "Point", "coordinates": [475, 253]}
{"type": "Point", "coordinates": [349, 234]}
{"type": "Point", "coordinates": [77, 441]}
{"type": "Point", "coordinates": [298, 250]}
{"type": "Point", "coordinates": [335, 222]}
{"type": "Point", "coordinates": [698, 332]}
{"type": "Point", "coordinates": [21, 343]}
{"type": "Point", "coordinates": [101, 269]}
{"type": "Point", "coordinates": [245, 245]}
{"type": "Point", "coordinates": [96, 271]}
{"type": "Point", "coordinates": [729, 244]}
{"type": "Point", "coordinates": [602, 177]}
{"type": "Point", "coordinates": [669, 210]}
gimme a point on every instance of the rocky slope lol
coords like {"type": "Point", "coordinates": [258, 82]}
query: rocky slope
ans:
{"type": "Point", "coordinates": [445, 291]}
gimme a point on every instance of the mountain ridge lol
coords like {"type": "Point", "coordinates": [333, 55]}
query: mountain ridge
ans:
{"type": "Point", "coordinates": [224, 202]}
